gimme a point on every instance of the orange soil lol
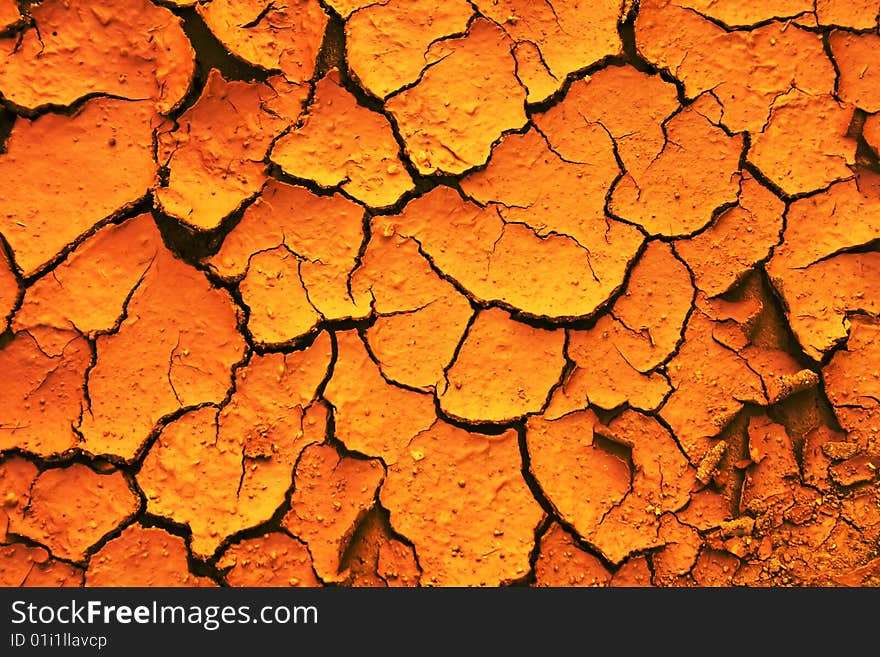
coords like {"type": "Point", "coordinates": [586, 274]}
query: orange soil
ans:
{"type": "Point", "coordinates": [437, 294]}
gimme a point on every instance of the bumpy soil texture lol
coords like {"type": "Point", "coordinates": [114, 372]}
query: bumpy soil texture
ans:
{"type": "Point", "coordinates": [416, 293]}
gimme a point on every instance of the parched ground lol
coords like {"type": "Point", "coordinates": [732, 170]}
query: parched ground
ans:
{"type": "Point", "coordinates": [462, 293]}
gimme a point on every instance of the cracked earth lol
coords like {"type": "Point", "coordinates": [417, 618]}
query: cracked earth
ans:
{"type": "Point", "coordinates": [464, 293]}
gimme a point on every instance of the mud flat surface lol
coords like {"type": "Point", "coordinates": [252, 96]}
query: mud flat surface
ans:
{"type": "Point", "coordinates": [468, 293]}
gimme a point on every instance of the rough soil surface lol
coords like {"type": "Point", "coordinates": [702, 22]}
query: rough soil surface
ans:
{"type": "Point", "coordinates": [341, 144]}
{"type": "Point", "coordinates": [450, 128]}
{"type": "Point", "coordinates": [420, 317]}
{"type": "Point", "coordinates": [461, 499]}
{"type": "Point", "coordinates": [537, 271]}
{"type": "Point", "coordinates": [471, 293]}
{"type": "Point", "coordinates": [143, 556]}
{"type": "Point", "coordinates": [323, 235]}
{"type": "Point", "coordinates": [247, 445]}
{"type": "Point", "coordinates": [560, 38]}
{"type": "Point", "coordinates": [10, 13]}
{"type": "Point", "coordinates": [73, 49]}
{"type": "Point", "coordinates": [105, 148]}
{"type": "Point", "coordinates": [695, 172]}
{"type": "Point", "coordinates": [386, 43]}
{"type": "Point", "coordinates": [213, 157]}
{"type": "Point", "coordinates": [331, 496]}
{"type": "Point", "coordinates": [284, 37]}
{"type": "Point", "coordinates": [274, 559]}
{"type": "Point", "coordinates": [70, 525]}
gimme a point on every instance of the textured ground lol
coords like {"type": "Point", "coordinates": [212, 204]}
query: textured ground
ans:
{"type": "Point", "coordinates": [329, 292]}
